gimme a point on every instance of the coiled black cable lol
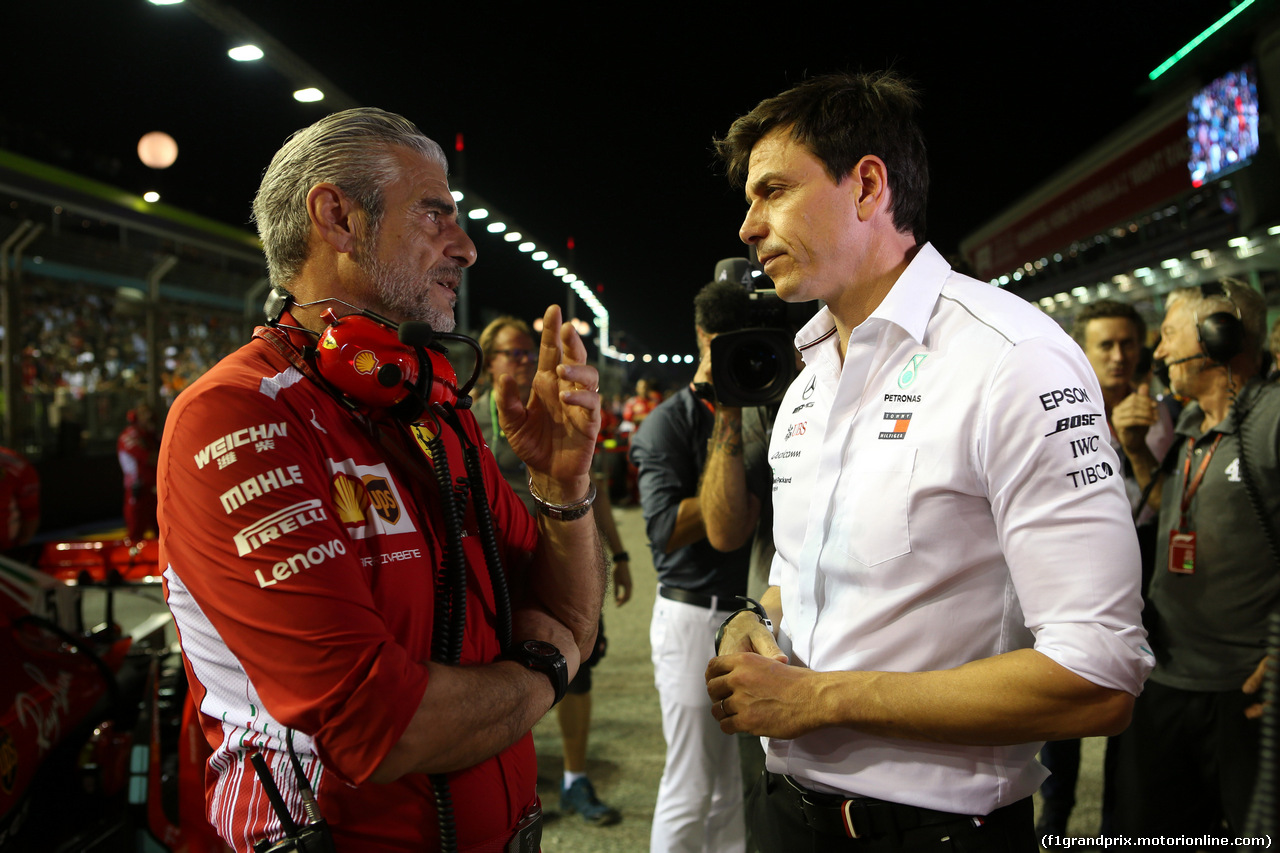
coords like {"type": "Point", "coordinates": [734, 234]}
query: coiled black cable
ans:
{"type": "Point", "coordinates": [1261, 820]}
{"type": "Point", "coordinates": [449, 630]}
{"type": "Point", "coordinates": [1262, 815]}
{"type": "Point", "coordinates": [1251, 485]}
{"type": "Point", "coordinates": [451, 583]}
{"type": "Point", "coordinates": [450, 616]}
{"type": "Point", "coordinates": [484, 525]}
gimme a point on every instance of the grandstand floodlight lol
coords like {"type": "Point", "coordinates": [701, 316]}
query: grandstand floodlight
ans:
{"type": "Point", "coordinates": [157, 150]}
{"type": "Point", "coordinates": [1238, 242]}
{"type": "Point", "coordinates": [165, 2]}
{"type": "Point", "coordinates": [151, 196]}
{"type": "Point", "coordinates": [550, 264]}
{"type": "Point", "coordinates": [538, 256]}
{"type": "Point", "coordinates": [497, 227]}
{"type": "Point", "coordinates": [246, 53]}
{"type": "Point", "coordinates": [559, 272]}
{"type": "Point", "coordinates": [527, 246]}
{"type": "Point", "coordinates": [512, 236]}
{"type": "Point", "coordinates": [457, 195]}
{"type": "Point", "coordinates": [309, 95]}
{"type": "Point", "coordinates": [570, 278]}
{"type": "Point", "coordinates": [478, 213]}
{"type": "Point", "coordinates": [1170, 263]}
{"type": "Point", "coordinates": [662, 359]}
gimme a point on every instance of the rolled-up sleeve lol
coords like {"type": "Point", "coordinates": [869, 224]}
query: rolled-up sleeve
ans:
{"type": "Point", "coordinates": [1057, 495]}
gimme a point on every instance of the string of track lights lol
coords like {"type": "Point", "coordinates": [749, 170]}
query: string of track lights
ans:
{"type": "Point", "coordinates": [479, 211]}
{"type": "Point", "coordinates": [249, 48]}
{"type": "Point", "coordinates": [158, 150]}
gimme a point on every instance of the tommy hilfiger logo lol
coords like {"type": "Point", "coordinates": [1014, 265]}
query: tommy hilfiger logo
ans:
{"type": "Point", "coordinates": [901, 420]}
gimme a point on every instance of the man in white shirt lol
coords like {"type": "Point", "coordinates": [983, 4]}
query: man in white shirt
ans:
{"type": "Point", "coordinates": [957, 577]}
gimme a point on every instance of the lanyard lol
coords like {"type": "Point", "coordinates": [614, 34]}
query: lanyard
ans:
{"type": "Point", "coordinates": [493, 416]}
{"type": "Point", "coordinates": [1189, 491]}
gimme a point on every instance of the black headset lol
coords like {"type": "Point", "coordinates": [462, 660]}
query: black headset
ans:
{"type": "Point", "coordinates": [1221, 334]}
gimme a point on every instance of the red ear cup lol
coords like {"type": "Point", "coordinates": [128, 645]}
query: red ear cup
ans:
{"type": "Point", "coordinates": [365, 360]}
{"type": "Point", "coordinates": [444, 380]}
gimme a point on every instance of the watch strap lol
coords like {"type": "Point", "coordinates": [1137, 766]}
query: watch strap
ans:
{"type": "Point", "coordinates": [553, 667]}
{"type": "Point", "coordinates": [753, 606]}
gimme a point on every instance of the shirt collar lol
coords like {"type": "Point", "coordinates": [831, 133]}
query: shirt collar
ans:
{"type": "Point", "coordinates": [1189, 421]}
{"type": "Point", "coordinates": [910, 302]}
{"type": "Point", "coordinates": [908, 305]}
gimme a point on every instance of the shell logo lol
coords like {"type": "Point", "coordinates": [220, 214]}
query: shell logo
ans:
{"type": "Point", "coordinates": [365, 362]}
{"type": "Point", "coordinates": [350, 499]}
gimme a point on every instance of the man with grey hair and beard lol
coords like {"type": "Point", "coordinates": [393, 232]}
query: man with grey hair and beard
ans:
{"type": "Point", "coordinates": [333, 599]}
{"type": "Point", "coordinates": [1188, 763]}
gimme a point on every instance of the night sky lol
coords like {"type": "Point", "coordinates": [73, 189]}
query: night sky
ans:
{"type": "Point", "coordinates": [592, 122]}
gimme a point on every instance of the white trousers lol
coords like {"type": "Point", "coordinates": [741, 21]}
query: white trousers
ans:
{"type": "Point", "coordinates": [699, 808]}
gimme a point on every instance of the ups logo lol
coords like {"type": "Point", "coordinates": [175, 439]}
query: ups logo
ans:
{"type": "Point", "coordinates": [382, 498]}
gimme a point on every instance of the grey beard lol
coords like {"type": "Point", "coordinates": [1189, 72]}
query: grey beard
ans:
{"type": "Point", "coordinates": [404, 294]}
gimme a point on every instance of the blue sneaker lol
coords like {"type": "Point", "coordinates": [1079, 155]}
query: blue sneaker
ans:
{"type": "Point", "coordinates": [580, 797]}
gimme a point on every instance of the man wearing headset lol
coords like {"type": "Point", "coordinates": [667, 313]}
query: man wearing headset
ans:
{"type": "Point", "coordinates": [309, 546]}
{"type": "Point", "coordinates": [1190, 758]}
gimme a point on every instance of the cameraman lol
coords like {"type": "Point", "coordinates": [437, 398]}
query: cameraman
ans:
{"type": "Point", "coordinates": [700, 797]}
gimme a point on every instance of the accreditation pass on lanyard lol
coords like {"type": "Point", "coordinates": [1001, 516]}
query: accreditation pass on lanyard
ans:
{"type": "Point", "coordinates": [1182, 542]}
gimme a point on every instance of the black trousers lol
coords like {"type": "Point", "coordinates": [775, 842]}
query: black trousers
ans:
{"type": "Point", "coordinates": [779, 825]}
{"type": "Point", "coordinates": [1188, 761]}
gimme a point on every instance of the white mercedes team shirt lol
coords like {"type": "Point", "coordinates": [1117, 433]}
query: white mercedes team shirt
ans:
{"type": "Point", "coordinates": [947, 494]}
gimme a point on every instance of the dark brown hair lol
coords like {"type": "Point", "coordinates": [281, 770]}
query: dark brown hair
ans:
{"type": "Point", "coordinates": [842, 118]}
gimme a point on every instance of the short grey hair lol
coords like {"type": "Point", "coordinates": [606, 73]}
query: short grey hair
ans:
{"type": "Point", "coordinates": [1240, 299]}
{"type": "Point", "coordinates": [351, 149]}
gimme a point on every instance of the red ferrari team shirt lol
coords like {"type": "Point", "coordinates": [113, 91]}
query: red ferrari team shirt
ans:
{"type": "Point", "coordinates": [301, 557]}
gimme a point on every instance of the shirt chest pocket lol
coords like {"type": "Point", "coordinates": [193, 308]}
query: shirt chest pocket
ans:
{"type": "Point", "coordinates": [869, 514]}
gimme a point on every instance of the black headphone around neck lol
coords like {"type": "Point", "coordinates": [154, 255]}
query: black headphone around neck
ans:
{"type": "Point", "coordinates": [1221, 333]}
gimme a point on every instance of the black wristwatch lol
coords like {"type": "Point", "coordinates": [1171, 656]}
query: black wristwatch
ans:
{"type": "Point", "coordinates": [544, 658]}
{"type": "Point", "coordinates": [753, 606]}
